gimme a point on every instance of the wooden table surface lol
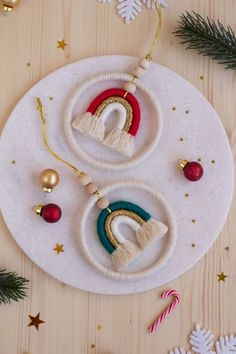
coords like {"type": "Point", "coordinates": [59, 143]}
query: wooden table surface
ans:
{"type": "Point", "coordinates": [72, 317]}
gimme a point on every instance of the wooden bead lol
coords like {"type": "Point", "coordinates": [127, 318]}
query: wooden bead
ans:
{"type": "Point", "coordinates": [139, 71]}
{"type": "Point", "coordinates": [91, 188]}
{"type": "Point", "coordinates": [85, 179]}
{"type": "Point", "coordinates": [130, 87]}
{"type": "Point", "coordinates": [102, 203]}
{"type": "Point", "coordinates": [144, 63]}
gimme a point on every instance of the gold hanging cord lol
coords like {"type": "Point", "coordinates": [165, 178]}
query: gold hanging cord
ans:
{"type": "Point", "coordinates": [158, 30]}
{"type": "Point", "coordinates": [44, 132]}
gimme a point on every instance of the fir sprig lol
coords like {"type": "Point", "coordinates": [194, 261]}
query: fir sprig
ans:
{"type": "Point", "coordinates": [210, 38]}
{"type": "Point", "coordinates": [12, 287]}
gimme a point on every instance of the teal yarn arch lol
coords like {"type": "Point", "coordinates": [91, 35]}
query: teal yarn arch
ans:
{"type": "Point", "coordinates": [104, 214]}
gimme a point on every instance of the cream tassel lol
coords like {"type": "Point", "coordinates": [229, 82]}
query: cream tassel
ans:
{"type": "Point", "coordinates": [124, 254]}
{"type": "Point", "coordinates": [90, 125]}
{"type": "Point", "coordinates": [149, 232]}
{"type": "Point", "coordinates": [121, 141]}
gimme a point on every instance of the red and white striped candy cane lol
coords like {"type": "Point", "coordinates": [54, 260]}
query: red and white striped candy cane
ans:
{"type": "Point", "coordinates": [166, 312]}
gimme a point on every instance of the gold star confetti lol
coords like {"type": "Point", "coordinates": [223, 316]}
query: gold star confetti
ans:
{"type": "Point", "coordinates": [35, 321]}
{"type": "Point", "coordinates": [59, 248]}
{"type": "Point", "coordinates": [222, 276]}
{"type": "Point", "coordinates": [62, 44]}
{"type": "Point", "coordinates": [99, 327]}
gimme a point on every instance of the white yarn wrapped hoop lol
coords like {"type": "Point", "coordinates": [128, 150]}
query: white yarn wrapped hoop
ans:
{"type": "Point", "coordinates": [169, 248]}
{"type": "Point", "coordinates": [147, 150]}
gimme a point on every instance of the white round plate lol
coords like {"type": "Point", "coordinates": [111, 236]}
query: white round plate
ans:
{"type": "Point", "coordinates": [197, 134]}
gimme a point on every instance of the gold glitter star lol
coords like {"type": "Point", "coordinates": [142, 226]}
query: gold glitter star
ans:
{"type": "Point", "coordinates": [61, 44]}
{"type": "Point", "coordinates": [35, 321]}
{"type": "Point", "coordinates": [58, 248]}
{"type": "Point", "coordinates": [222, 276]}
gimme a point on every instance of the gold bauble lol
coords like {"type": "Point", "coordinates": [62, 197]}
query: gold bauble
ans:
{"type": "Point", "coordinates": [8, 5]}
{"type": "Point", "coordinates": [48, 178]}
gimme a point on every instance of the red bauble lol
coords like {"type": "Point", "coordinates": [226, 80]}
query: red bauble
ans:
{"type": "Point", "coordinates": [193, 171]}
{"type": "Point", "coordinates": [51, 213]}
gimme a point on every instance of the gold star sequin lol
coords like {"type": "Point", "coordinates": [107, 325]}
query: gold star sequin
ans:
{"type": "Point", "coordinates": [222, 276]}
{"type": "Point", "coordinates": [35, 321]}
{"type": "Point", "coordinates": [99, 327]}
{"type": "Point", "coordinates": [62, 44]}
{"type": "Point", "coordinates": [59, 248]}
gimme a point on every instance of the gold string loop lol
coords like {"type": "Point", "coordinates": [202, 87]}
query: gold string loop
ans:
{"type": "Point", "coordinates": [44, 132]}
{"type": "Point", "coordinates": [148, 56]}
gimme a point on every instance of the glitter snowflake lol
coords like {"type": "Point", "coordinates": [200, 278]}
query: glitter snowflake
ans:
{"type": "Point", "coordinates": [202, 342]}
{"type": "Point", "coordinates": [130, 9]}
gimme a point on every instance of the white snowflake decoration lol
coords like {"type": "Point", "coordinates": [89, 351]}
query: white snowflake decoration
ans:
{"type": "Point", "coordinates": [130, 9]}
{"type": "Point", "coordinates": [202, 341]}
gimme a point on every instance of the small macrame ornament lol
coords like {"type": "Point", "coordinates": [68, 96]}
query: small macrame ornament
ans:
{"type": "Point", "coordinates": [122, 101]}
{"type": "Point", "coordinates": [146, 229]}
{"type": "Point", "coordinates": [92, 122]}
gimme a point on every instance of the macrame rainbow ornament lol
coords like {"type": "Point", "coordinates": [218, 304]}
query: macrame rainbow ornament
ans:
{"type": "Point", "coordinates": [92, 122]}
{"type": "Point", "coordinates": [147, 231]}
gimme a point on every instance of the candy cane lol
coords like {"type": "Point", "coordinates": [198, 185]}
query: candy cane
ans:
{"type": "Point", "coordinates": [166, 312]}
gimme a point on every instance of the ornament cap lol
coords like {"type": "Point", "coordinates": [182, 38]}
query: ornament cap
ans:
{"type": "Point", "coordinates": [182, 164]}
{"type": "Point", "coordinates": [38, 209]}
{"type": "Point", "coordinates": [8, 5]}
{"type": "Point", "coordinates": [47, 190]}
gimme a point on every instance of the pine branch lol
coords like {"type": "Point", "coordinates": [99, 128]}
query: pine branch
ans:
{"type": "Point", "coordinates": [12, 287]}
{"type": "Point", "coordinates": [208, 37]}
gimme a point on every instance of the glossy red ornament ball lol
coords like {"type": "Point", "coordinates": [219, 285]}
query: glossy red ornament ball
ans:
{"type": "Point", "coordinates": [193, 171]}
{"type": "Point", "coordinates": [51, 213]}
